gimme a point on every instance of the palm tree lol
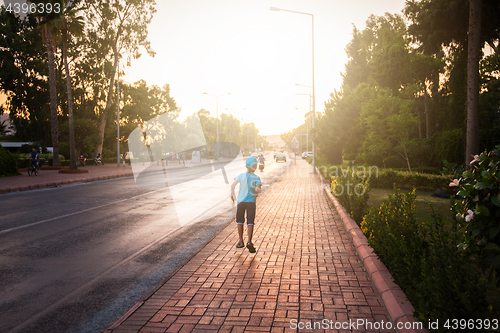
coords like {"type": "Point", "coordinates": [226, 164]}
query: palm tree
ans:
{"type": "Point", "coordinates": [47, 24]}
{"type": "Point", "coordinates": [65, 22]}
{"type": "Point", "coordinates": [54, 125]}
{"type": "Point", "coordinates": [70, 23]}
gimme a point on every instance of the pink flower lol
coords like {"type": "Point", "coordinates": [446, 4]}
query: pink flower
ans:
{"type": "Point", "coordinates": [454, 182]}
{"type": "Point", "coordinates": [476, 158]}
{"type": "Point", "coordinates": [469, 216]}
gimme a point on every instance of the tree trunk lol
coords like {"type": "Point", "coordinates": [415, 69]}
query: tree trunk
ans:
{"type": "Point", "coordinates": [54, 125]}
{"type": "Point", "coordinates": [419, 122]}
{"type": "Point", "coordinates": [474, 51]}
{"type": "Point", "coordinates": [72, 152]}
{"type": "Point", "coordinates": [427, 112]}
{"type": "Point", "coordinates": [105, 113]}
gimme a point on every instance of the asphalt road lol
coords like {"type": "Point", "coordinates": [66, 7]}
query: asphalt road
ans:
{"type": "Point", "coordinates": [75, 258]}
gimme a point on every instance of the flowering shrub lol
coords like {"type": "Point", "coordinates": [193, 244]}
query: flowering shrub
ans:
{"type": "Point", "coordinates": [478, 213]}
{"type": "Point", "coordinates": [440, 280]}
{"type": "Point", "coordinates": [352, 193]}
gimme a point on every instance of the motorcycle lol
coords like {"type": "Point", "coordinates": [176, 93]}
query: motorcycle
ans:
{"type": "Point", "coordinates": [81, 160]}
{"type": "Point", "coordinates": [98, 160]}
{"type": "Point", "coordinates": [261, 166]}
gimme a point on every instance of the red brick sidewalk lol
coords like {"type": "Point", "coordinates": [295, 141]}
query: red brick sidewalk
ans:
{"type": "Point", "coordinates": [305, 270]}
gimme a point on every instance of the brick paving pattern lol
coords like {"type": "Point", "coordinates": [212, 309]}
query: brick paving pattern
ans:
{"type": "Point", "coordinates": [305, 269]}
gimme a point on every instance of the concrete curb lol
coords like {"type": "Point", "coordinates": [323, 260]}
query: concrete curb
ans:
{"type": "Point", "coordinates": [398, 307]}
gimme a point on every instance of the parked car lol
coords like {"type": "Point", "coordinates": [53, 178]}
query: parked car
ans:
{"type": "Point", "coordinates": [280, 157]}
{"type": "Point", "coordinates": [307, 154]}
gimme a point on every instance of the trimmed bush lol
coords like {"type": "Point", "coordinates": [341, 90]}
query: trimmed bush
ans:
{"type": "Point", "coordinates": [22, 160]}
{"type": "Point", "coordinates": [440, 280]}
{"type": "Point", "coordinates": [50, 156]}
{"type": "Point", "coordinates": [388, 178]}
{"type": "Point", "coordinates": [349, 157]}
{"type": "Point", "coordinates": [8, 165]}
{"type": "Point", "coordinates": [64, 149]}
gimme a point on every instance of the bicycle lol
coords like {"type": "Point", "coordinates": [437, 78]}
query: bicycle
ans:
{"type": "Point", "coordinates": [32, 168]}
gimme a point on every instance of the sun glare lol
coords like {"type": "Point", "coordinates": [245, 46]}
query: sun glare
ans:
{"type": "Point", "coordinates": [253, 53]}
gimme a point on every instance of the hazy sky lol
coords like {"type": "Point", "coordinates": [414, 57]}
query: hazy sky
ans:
{"type": "Point", "coordinates": [257, 55]}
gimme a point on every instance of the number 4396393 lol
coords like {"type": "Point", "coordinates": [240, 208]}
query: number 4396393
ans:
{"type": "Point", "coordinates": [32, 8]}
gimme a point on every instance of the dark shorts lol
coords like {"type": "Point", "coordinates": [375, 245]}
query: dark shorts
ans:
{"type": "Point", "coordinates": [250, 208]}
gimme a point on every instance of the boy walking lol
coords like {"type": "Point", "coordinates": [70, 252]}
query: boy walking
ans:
{"type": "Point", "coordinates": [250, 187]}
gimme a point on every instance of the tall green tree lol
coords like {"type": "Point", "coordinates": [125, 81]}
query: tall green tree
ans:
{"type": "Point", "coordinates": [119, 27]}
{"type": "Point", "coordinates": [70, 22]}
{"type": "Point", "coordinates": [230, 129]}
{"type": "Point", "coordinates": [378, 56]}
{"type": "Point", "coordinates": [468, 23]}
{"type": "Point", "coordinates": [23, 71]}
{"type": "Point", "coordinates": [423, 71]}
{"type": "Point", "coordinates": [47, 23]}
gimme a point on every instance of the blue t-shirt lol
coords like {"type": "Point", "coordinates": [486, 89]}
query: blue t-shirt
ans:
{"type": "Point", "coordinates": [248, 182]}
{"type": "Point", "coordinates": [34, 156]}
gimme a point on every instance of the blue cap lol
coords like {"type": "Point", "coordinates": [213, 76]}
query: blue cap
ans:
{"type": "Point", "coordinates": [251, 162]}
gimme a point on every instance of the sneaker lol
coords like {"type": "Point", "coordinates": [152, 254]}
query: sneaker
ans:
{"type": "Point", "coordinates": [250, 247]}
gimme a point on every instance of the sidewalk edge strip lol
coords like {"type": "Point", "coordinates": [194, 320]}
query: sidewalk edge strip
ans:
{"type": "Point", "coordinates": [125, 316]}
{"type": "Point", "coordinates": [397, 305]}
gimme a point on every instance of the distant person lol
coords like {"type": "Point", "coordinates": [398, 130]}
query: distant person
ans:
{"type": "Point", "coordinates": [250, 187]}
{"type": "Point", "coordinates": [35, 159]}
{"type": "Point", "coordinates": [184, 158]}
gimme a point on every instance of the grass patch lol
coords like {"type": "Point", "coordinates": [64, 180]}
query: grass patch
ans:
{"type": "Point", "coordinates": [422, 210]}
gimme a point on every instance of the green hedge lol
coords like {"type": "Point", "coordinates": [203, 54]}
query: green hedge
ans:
{"type": "Point", "coordinates": [387, 178]}
{"type": "Point", "coordinates": [440, 280]}
{"type": "Point", "coordinates": [24, 163]}
{"type": "Point", "coordinates": [49, 156]}
{"type": "Point", "coordinates": [8, 165]}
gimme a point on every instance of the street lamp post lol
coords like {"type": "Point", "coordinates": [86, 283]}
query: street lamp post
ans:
{"type": "Point", "coordinates": [313, 90]}
{"type": "Point", "coordinates": [217, 120]}
{"type": "Point", "coordinates": [307, 118]}
{"type": "Point", "coordinates": [307, 129]}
